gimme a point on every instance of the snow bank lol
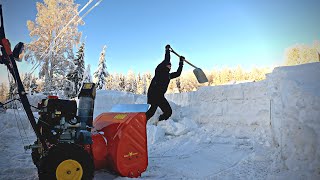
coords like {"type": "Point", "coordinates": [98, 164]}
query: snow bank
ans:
{"type": "Point", "coordinates": [295, 110]}
{"type": "Point", "coordinates": [282, 111]}
{"type": "Point", "coordinates": [241, 110]}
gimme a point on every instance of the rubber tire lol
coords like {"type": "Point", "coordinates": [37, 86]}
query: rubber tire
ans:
{"type": "Point", "coordinates": [61, 152]}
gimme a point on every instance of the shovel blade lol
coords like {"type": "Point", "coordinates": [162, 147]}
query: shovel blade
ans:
{"type": "Point", "coordinates": [200, 75]}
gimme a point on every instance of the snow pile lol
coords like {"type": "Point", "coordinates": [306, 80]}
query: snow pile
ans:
{"type": "Point", "coordinates": [295, 97]}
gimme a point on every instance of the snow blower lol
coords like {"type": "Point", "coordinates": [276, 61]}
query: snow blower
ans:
{"type": "Point", "coordinates": [200, 75]}
{"type": "Point", "coordinates": [70, 145]}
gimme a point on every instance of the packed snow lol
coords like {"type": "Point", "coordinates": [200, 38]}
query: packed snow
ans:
{"type": "Point", "coordinates": [259, 130]}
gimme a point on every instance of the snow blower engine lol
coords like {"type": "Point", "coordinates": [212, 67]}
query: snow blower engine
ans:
{"type": "Point", "coordinates": [59, 122]}
{"type": "Point", "coordinates": [66, 129]}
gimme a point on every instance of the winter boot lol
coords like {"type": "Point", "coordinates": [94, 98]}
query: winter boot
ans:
{"type": "Point", "coordinates": [162, 117]}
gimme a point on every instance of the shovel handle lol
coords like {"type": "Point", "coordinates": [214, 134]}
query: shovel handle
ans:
{"type": "Point", "coordinates": [184, 59]}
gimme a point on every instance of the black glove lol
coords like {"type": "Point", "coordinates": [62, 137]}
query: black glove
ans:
{"type": "Point", "coordinates": [181, 60]}
{"type": "Point", "coordinates": [168, 47]}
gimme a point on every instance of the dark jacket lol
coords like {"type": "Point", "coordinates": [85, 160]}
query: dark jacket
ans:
{"type": "Point", "coordinates": [162, 77]}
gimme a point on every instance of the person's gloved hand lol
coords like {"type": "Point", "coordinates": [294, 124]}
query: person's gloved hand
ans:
{"type": "Point", "coordinates": [182, 58]}
{"type": "Point", "coordinates": [168, 47]}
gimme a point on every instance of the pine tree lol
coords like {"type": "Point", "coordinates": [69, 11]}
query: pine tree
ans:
{"type": "Point", "coordinates": [51, 47]}
{"type": "Point", "coordinates": [33, 85]}
{"type": "Point", "coordinates": [130, 82]}
{"type": "Point", "coordinates": [11, 95]}
{"type": "Point", "coordinates": [101, 72]}
{"type": "Point", "coordinates": [147, 77]}
{"type": "Point", "coordinates": [122, 82]}
{"type": "Point", "coordinates": [77, 72]}
{"type": "Point", "coordinates": [140, 84]}
{"type": "Point", "coordinates": [87, 75]}
{"type": "Point", "coordinates": [80, 68]}
{"type": "Point", "coordinates": [26, 81]}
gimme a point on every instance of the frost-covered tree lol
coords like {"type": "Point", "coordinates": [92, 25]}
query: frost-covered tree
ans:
{"type": "Point", "coordinates": [26, 81]}
{"type": "Point", "coordinates": [11, 95]}
{"type": "Point", "coordinates": [178, 84]}
{"type": "Point", "coordinates": [301, 54]}
{"type": "Point", "coordinates": [33, 85]}
{"type": "Point", "coordinates": [122, 82]}
{"type": "Point", "coordinates": [188, 82]}
{"type": "Point", "coordinates": [3, 92]}
{"type": "Point", "coordinates": [87, 75]}
{"type": "Point", "coordinates": [40, 83]}
{"type": "Point", "coordinates": [141, 84]}
{"type": "Point", "coordinates": [147, 77]}
{"type": "Point", "coordinates": [130, 82]}
{"type": "Point", "coordinates": [101, 72]}
{"type": "Point", "coordinates": [76, 74]}
{"type": "Point", "coordinates": [113, 82]}
{"type": "Point", "coordinates": [226, 75]}
{"type": "Point", "coordinates": [53, 38]}
{"type": "Point", "coordinates": [80, 68]}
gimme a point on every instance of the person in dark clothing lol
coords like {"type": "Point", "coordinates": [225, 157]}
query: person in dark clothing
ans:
{"type": "Point", "coordinates": [159, 86]}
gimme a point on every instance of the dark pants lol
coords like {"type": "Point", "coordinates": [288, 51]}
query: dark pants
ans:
{"type": "Point", "coordinates": [164, 106]}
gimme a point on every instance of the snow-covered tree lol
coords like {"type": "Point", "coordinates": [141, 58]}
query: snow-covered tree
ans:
{"type": "Point", "coordinates": [40, 83]}
{"type": "Point", "coordinates": [53, 38]}
{"type": "Point", "coordinates": [101, 72]}
{"type": "Point", "coordinates": [130, 82]}
{"type": "Point", "coordinates": [301, 54]}
{"type": "Point", "coordinates": [141, 84]}
{"type": "Point", "coordinates": [26, 81]}
{"type": "Point", "coordinates": [33, 85]}
{"type": "Point", "coordinates": [87, 75]}
{"type": "Point", "coordinates": [113, 82]}
{"type": "Point", "coordinates": [178, 84]}
{"type": "Point", "coordinates": [188, 82]}
{"type": "Point", "coordinates": [147, 77]}
{"type": "Point", "coordinates": [3, 92]}
{"type": "Point", "coordinates": [76, 74]}
{"type": "Point", "coordinates": [122, 82]}
{"type": "Point", "coordinates": [11, 94]}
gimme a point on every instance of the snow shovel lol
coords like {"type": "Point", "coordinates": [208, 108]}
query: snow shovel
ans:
{"type": "Point", "coordinates": [201, 77]}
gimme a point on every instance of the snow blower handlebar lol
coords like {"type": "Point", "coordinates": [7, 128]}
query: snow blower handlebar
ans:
{"type": "Point", "coordinates": [9, 60]}
{"type": "Point", "coordinates": [184, 59]}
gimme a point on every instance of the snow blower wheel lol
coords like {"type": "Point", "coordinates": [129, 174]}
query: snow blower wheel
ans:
{"type": "Point", "coordinates": [66, 161]}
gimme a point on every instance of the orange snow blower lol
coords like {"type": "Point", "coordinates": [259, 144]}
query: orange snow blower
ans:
{"type": "Point", "coordinates": [121, 144]}
{"type": "Point", "coordinates": [70, 145]}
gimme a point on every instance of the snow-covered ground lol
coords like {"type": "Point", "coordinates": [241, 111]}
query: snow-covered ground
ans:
{"type": "Point", "coordinates": [262, 130]}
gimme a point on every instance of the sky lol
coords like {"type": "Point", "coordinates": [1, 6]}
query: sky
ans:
{"type": "Point", "coordinates": [209, 33]}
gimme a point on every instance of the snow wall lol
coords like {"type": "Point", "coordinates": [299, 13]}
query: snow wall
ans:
{"type": "Point", "coordinates": [281, 113]}
{"type": "Point", "coordinates": [295, 118]}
